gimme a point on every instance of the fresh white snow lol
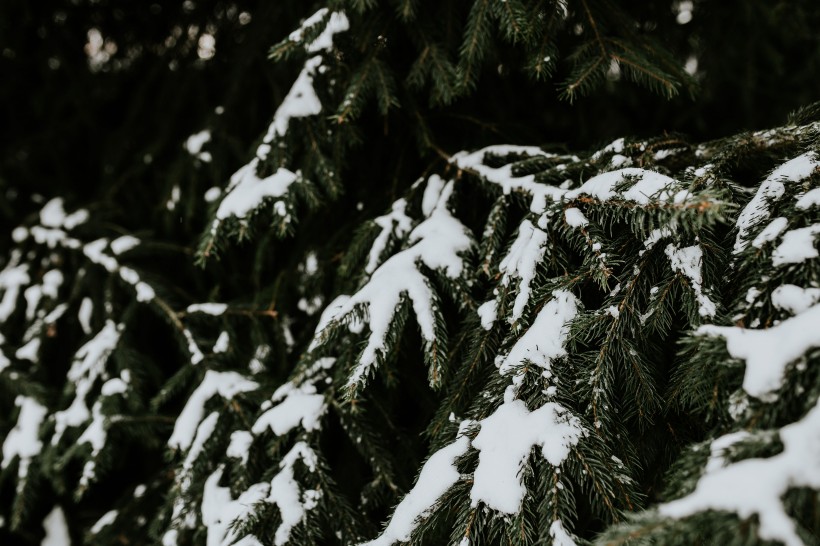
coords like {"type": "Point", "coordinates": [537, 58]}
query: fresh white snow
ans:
{"type": "Point", "coordinates": [545, 339]}
{"type": "Point", "coordinates": [772, 189]}
{"type": "Point", "coordinates": [488, 314]}
{"type": "Point", "coordinates": [225, 384]}
{"type": "Point", "coordinates": [504, 444]}
{"type": "Point", "coordinates": [247, 191]}
{"type": "Point", "coordinates": [301, 406]}
{"type": "Point", "coordinates": [214, 309]}
{"type": "Point", "coordinates": [526, 252]}
{"type": "Point", "coordinates": [768, 352]}
{"type": "Point", "coordinates": [795, 299]}
{"type": "Point", "coordinates": [240, 444]}
{"type": "Point", "coordinates": [771, 232]}
{"type": "Point", "coordinates": [797, 246]}
{"type": "Point", "coordinates": [575, 218]}
{"type": "Point", "coordinates": [56, 529]}
{"type": "Point", "coordinates": [756, 486]}
{"type": "Point", "coordinates": [437, 475]}
{"type": "Point", "coordinates": [23, 440]}
{"type": "Point", "coordinates": [688, 261]}
{"type": "Point", "coordinates": [438, 242]}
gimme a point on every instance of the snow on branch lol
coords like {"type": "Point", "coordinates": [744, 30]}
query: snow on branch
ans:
{"type": "Point", "coordinates": [768, 352]}
{"type": "Point", "coordinates": [526, 252]}
{"type": "Point", "coordinates": [225, 384]}
{"type": "Point", "coordinates": [437, 476]}
{"type": "Point", "coordinates": [296, 403]}
{"type": "Point", "coordinates": [545, 339]}
{"type": "Point", "coordinates": [23, 441]}
{"type": "Point", "coordinates": [438, 242]}
{"type": "Point", "coordinates": [88, 366]}
{"type": "Point", "coordinates": [771, 190]}
{"type": "Point", "coordinates": [764, 482]}
{"type": "Point", "coordinates": [504, 444]}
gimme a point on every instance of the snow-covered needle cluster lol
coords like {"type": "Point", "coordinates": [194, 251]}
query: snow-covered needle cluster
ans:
{"type": "Point", "coordinates": [525, 347]}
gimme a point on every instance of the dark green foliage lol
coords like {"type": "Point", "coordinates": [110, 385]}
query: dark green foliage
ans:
{"type": "Point", "coordinates": [286, 355]}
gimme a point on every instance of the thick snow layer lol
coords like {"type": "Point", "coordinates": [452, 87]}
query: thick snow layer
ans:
{"type": "Point", "coordinates": [220, 510]}
{"type": "Point", "coordinates": [794, 299]}
{"type": "Point", "coordinates": [215, 309]}
{"type": "Point", "coordinates": [285, 492]}
{"type": "Point", "coordinates": [395, 224]}
{"type": "Point", "coordinates": [225, 384]}
{"type": "Point", "coordinates": [241, 441]}
{"type": "Point", "coordinates": [504, 444]}
{"type": "Point", "coordinates": [87, 366]}
{"type": "Point", "coordinates": [688, 261]}
{"type": "Point", "coordinates": [437, 476]}
{"type": "Point", "coordinates": [247, 191]}
{"type": "Point", "coordinates": [797, 246]}
{"type": "Point", "coordinates": [545, 339]}
{"type": "Point", "coordinates": [302, 101]}
{"type": "Point", "coordinates": [575, 218]}
{"type": "Point", "coordinates": [488, 314]}
{"type": "Point", "coordinates": [302, 406]}
{"type": "Point", "coordinates": [526, 252]}
{"type": "Point", "coordinates": [768, 352]}
{"type": "Point", "coordinates": [56, 529]}
{"type": "Point", "coordinates": [809, 199]}
{"type": "Point", "coordinates": [503, 177]}
{"type": "Point", "coordinates": [23, 440]}
{"type": "Point", "coordinates": [755, 486]}
{"type": "Point", "coordinates": [772, 189]}
{"type": "Point", "coordinates": [438, 242]}
{"type": "Point", "coordinates": [770, 232]}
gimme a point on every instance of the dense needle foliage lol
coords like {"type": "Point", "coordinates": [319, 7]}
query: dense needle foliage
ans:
{"type": "Point", "coordinates": [473, 272]}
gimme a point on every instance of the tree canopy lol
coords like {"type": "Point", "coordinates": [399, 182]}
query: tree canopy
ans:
{"type": "Point", "coordinates": [357, 272]}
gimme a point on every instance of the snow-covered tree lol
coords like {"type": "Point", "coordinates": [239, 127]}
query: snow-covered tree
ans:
{"type": "Point", "coordinates": [387, 303]}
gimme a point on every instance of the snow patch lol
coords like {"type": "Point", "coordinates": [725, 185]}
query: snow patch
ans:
{"type": "Point", "coordinates": [687, 261]}
{"type": "Point", "coordinates": [488, 313]}
{"type": "Point", "coordinates": [772, 189]}
{"type": "Point", "coordinates": [437, 475]}
{"type": "Point", "coordinates": [23, 440]}
{"type": "Point", "coordinates": [504, 444]}
{"type": "Point", "coordinates": [56, 529]}
{"type": "Point", "coordinates": [764, 482]}
{"type": "Point", "coordinates": [768, 352]}
{"type": "Point", "coordinates": [214, 309]}
{"type": "Point", "coordinates": [247, 191]}
{"type": "Point", "coordinates": [526, 252]}
{"type": "Point", "coordinates": [797, 246]}
{"type": "Point", "coordinates": [225, 384]}
{"type": "Point", "coordinates": [794, 299]}
{"type": "Point", "coordinates": [575, 218]}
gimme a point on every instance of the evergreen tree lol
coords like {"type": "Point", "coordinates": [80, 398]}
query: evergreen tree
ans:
{"type": "Point", "coordinates": [387, 286]}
